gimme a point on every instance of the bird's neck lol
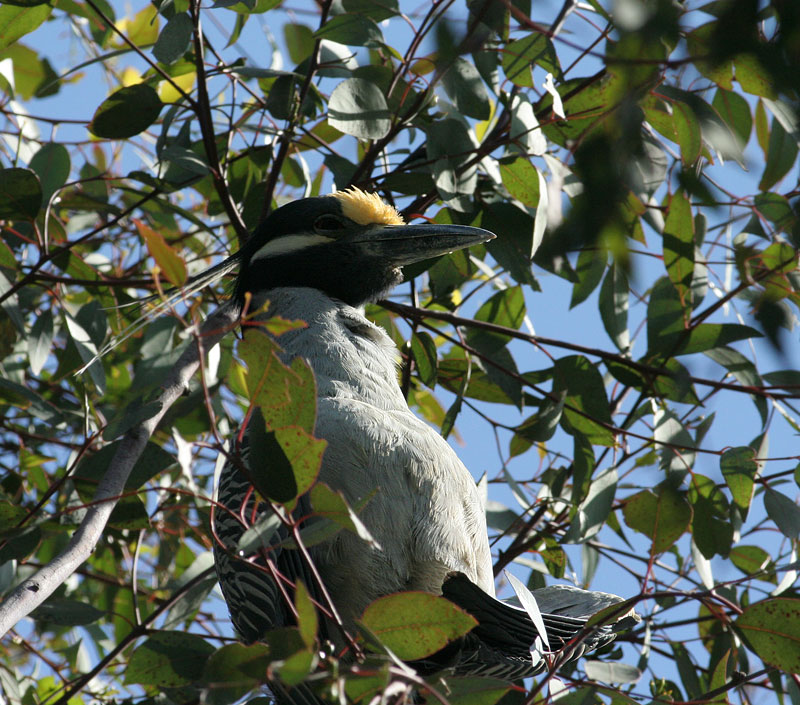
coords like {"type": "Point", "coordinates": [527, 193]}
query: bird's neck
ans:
{"type": "Point", "coordinates": [351, 357]}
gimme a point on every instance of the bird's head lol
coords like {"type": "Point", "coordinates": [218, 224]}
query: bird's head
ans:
{"type": "Point", "coordinates": [350, 245]}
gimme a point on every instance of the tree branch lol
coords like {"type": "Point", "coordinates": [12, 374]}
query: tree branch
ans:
{"type": "Point", "coordinates": [32, 592]}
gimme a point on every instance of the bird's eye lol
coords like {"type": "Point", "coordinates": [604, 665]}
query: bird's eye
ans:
{"type": "Point", "coordinates": [328, 223]}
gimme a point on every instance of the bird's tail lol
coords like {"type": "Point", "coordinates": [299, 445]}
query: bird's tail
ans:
{"type": "Point", "coordinates": [503, 643]}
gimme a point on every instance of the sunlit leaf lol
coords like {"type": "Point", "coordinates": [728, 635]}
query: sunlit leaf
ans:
{"type": "Point", "coordinates": [773, 629]}
{"type": "Point", "coordinates": [739, 469]}
{"type": "Point", "coordinates": [51, 164]}
{"type": "Point", "coordinates": [663, 517]}
{"type": "Point", "coordinates": [357, 107]}
{"type": "Point", "coordinates": [352, 29]}
{"type": "Point", "coordinates": [465, 88]}
{"type": "Point", "coordinates": [18, 20]}
{"type": "Point", "coordinates": [416, 624]}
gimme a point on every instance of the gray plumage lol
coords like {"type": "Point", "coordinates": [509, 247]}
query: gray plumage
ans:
{"type": "Point", "coordinates": [425, 510]}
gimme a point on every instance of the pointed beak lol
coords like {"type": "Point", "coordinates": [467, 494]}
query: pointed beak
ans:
{"type": "Point", "coordinates": [405, 244]}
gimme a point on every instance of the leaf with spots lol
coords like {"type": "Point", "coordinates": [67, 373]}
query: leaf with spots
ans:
{"type": "Point", "coordinates": [663, 517]}
{"type": "Point", "coordinates": [772, 627]}
{"type": "Point", "coordinates": [416, 624]}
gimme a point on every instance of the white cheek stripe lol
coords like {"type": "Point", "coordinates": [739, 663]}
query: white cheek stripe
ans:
{"type": "Point", "coordinates": [290, 243]}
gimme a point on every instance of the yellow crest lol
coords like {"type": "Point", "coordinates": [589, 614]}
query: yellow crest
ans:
{"type": "Point", "coordinates": [367, 208]}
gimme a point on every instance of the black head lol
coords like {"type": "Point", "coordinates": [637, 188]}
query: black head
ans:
{"type": "Point", "coordinates": [350, 245]}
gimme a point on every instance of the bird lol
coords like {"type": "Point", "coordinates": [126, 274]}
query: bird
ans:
{"type": "Point", "coordinates": [321, 260]}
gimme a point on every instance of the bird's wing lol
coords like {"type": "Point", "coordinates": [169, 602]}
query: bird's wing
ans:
{"type": "Point", "coordinates": [255, 600]}
{"type": "Point", "coordinates": [505, 633]}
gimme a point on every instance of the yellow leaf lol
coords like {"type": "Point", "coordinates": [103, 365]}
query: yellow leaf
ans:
{"type": "Point", "coordinates": [169, 94]}
{"type": "Point", "coordinates": [166, 258]}
{"type": "Point", "coordinates": [130, 76]}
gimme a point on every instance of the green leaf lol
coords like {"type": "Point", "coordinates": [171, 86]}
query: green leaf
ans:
{"type": "Point", "coordinates": [66, 612]}
{"type": "Point", "coordinates": [613, 305]}
{"type": "Point", "coordinates": [781, 156]}
{"type": "Point", "coordinates": [40, 341]}
{"type": "Point", "coordinates": [20, 193]}
{"type": "Point", "coordinates": [662, 517]}
{"type": "Point", "coordinates": [589, 270]}
{"type": "Point", "coordinates": [735, 111]}
{"type": "Point", "coordinates": [595, 508]}
{"type": "Point", "coordinates": [260, 534]}
{"type": "Point", "coordinates": [714, 335]}
{"type": "Point", "coordinates": [475, 690]}
{"type": "Point", "coordinates": [126, 112]}
{"type": "Point", "coordinates": [168, 660]}
{"type": "Point", "coordinates": [167, 259]}
{"type": "Point", "coordinates": [775, 208]}
{"type": "Point", "coordinates": [452, 373]}
{"type": "Point", "coordinates": [505, 308]}
{"type": "Point", "coordinates": [751, 560]}
{"type": "Point", "coordinates": [306, 614]}
{"type": "Point", "coordinates": [514, 245]}
{"type": "Point", "coordinates": [585, 393]}
{"type": "Point", "coordinates": [700, 42]}
{"type": "Point", "coordinates": [83, 334]}
{"type": "Point", "coordinates": [465, 87]}
{"type": "Point", "coordinates": [753, 77]}
{"type": "Point", "coordinates": [287, 396]}
{"type": "Point", "coordinates": [153, 460]}
{"type": "Point", "coordinates": [521, 178]}
{"type": "Point", "coordinates": [416, 624]}
{"type": "Point", "coordinates": [666, 333]}
{"type": "Point", "coordinates": [357, 107]}
{"type": "Point", "coordinates": [299, 41]}
{"type": "Point", "coordinates": [189, 600]}
{"type": "Point", "coordinates": [232, 671]}
{"type": "Point", "coordinates": [288, 459]}
{"type": "Point", "coordinates": [780, 257]}
{"type": "Point", "coordinates": [423, 348]}
{"type": "Point", "coordinates": [675, 445]}
{"type": "Point", "coordinates": [173, 41]}
{"type": "Point", "coordinates": [679, 247]}
{"type": "Point", "coordinates": [739, 469]}
{"type": "Point", "coordinates": [332, 505]}
{"type": "Point", "coordinates": [377, 10]}
{"type": "Point", "coordinates": [542, 425]}
{"type": "Point", "coordinates": [743, 370]}
{"type": "Point", "coordinates": [772, 627]}
{"type": "Point", "coordinates": [665, 317]}
{"type": "Point", "coordinates": [132, 415]}
{"type": "Point", "coordinates": [449, 147]}
{"type": "Point", "coordinates": [687, 132]}
{"type": "Point", "coordinates": [51, 164]}
{"type": "Point", "coordinates": [17, 21]}
{"type": "Point", "coordinates": [10, 515]}
{"type": "Point", "coordinates": [784, 512]}
{"type": "Point", "coordinates": [520, 55]}
{"type": "Point", "coordinates": [353, 30]}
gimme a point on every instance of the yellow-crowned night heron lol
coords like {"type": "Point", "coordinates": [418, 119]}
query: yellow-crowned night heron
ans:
{"type": "Point", "coordinates": [320, 260]}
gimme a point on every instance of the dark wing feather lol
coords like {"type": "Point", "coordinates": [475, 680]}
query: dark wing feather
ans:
{"type": "Point", "coordinates": [255, 601]}
{"type": "Point", "coordinates": [501, 643]}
